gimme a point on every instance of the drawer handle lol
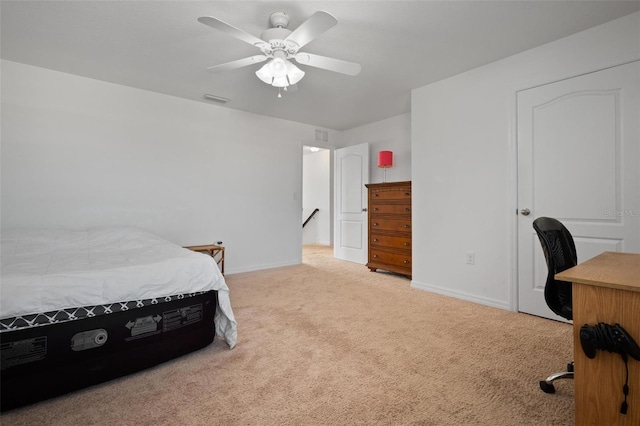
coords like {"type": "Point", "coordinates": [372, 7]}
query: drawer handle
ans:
{"type": "Point", "coordinates": [407, 226]}
{"type": "Point", "coordinates": [406, 261]}
{"type": "Point", "coordinates": [375, 255]}
{"type": "Point", "coordinates": [375, 209]}
{"type": "Point", "coordinates": [375, 240]}
{"type": "Point", "coordinates": [375, 223]}
{"type": "Point", "coordinates": [407, 209]}
{"type": "Point", "coordinates": [408, 194]}
{"type": "Point", "coordinates": [406, 244]}
{"type": "Point", "coordinates": [375, 195]}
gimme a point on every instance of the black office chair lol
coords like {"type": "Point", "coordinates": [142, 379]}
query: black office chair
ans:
{"type": "Point", "coordinates": [560, 254]}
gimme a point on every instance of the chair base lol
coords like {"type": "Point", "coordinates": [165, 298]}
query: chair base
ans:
{"type": "Point", "coordinates": [547, 385]}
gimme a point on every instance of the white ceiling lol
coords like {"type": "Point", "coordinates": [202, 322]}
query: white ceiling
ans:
{"type": "Point", "coordinates": [160, 46]}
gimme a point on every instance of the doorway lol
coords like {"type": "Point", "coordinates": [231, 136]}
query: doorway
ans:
{"type": "Point", "coordinates": [316, 195]}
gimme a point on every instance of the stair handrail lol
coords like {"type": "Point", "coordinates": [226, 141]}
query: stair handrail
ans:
{"type": "Point", "coordinates": [310, 217]}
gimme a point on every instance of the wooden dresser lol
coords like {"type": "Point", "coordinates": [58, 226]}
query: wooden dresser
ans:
{"type": "Point", "coordinates": [390, 227]}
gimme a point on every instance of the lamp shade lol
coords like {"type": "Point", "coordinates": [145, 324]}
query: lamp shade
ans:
{"type": "Point", "coordinates": [385, 159]}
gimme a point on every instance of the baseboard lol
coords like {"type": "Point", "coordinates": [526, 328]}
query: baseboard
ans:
{"type": "Point", "coordinates": [500, 304]}
{"type": "Point", "coordinates": [253, 268]}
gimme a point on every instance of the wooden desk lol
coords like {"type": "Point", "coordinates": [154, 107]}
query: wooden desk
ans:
{"type": "Point", "coordinates": [605, 289]}
{"type": "Point", "coordinates": [213, 250]}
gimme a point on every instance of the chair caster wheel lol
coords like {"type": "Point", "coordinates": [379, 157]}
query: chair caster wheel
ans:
{"type": "Point", "coordinates": [547, 387]}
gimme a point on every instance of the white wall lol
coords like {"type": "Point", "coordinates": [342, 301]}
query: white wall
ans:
{"type": "Point", "coordinates": [463, 160]}
{"type": "Point", "coordinates": [78, 153]}
{"type": "Point", "coordinates": [316, 188]}
{"type": "Point", "coordinates": [392, 134]}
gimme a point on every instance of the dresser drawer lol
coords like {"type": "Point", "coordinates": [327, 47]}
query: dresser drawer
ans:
{"type": "Point", "coordinates": [390, 241]}
{"type": "Point", "coordinates": [390, 209]}
{"type": "Point", "coordinates": [385, 224]}
{"type": "Point", "coordinates": [377, 195]}
{"type": "Point", "coordinates": [399, 259]}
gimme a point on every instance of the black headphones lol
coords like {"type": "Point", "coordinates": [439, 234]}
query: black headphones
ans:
{"type": "Point", "coordinates": [612, 338]}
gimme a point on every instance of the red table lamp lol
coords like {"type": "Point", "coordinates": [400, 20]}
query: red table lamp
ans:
{"type": "Point", "coordinates": [385, 160]}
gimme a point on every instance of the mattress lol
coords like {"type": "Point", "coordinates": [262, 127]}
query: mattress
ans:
{"type": "Point", "coordinates": [41, 362]}
{"type": "Point", "coordinates": [50, 276]}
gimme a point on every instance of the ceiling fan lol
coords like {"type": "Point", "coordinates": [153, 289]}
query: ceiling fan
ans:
{"type": "Point", "coordinates": [280, 45]}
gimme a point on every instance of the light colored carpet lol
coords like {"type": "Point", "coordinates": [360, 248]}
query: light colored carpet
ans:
{"type": "Point", "coordinates": [329, 343]}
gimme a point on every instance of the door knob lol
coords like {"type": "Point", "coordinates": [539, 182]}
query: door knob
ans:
{"type": "Point", "coordinates": [525, 212]}
{"type": "Point", "coordinates": [364, 209]}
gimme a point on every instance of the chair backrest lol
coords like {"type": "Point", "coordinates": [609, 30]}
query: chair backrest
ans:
{"type": "Point", "coordinates": [560, 254]}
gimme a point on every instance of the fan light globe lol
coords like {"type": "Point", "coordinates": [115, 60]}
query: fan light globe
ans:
{"type": "Point", "coordinates": [278, 67]}
{"type": "Point", "coordinates": [280, 72]}
{"type": "Point", "coordinates": [280, 82]}
{"type": "Point", "coordinates": [294, 73]}
{"type": "Point", "coordinates": [264, 74]}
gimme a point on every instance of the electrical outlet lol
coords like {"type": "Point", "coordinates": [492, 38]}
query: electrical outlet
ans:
{"type": "Point", "coordinates": [471, 258]}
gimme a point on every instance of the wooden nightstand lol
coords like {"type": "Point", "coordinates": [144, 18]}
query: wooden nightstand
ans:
{"type": "Point", "coordinates": [213, 250]}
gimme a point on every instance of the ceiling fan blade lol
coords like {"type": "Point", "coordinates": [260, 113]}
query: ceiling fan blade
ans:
{"type": "Point", "coordinates": [238, 63]}
{"type": "Point", "coordinates": [331, 64]}
{"type": "Point", "coordinates": [317, 24]}
{"type": "Point", "coordinates": [231, 30]}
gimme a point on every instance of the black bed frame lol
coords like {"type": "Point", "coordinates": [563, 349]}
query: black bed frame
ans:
{"type": "Point", "coordinates": [46, 361]}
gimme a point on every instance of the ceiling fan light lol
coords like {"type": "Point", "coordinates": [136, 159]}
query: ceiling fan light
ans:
{"type": "Point", "coordinates": [294, 73]}
{"type": "Point", "coordinates": [278, 67]}
{"type": "Point", "coordinates": [279, 73]}
{"type": "Point", "coordinates": [280, 81]}
{"type": "Point", "coordinates": [264, 74]}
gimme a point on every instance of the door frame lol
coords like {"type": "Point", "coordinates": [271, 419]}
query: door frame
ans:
{"type": "Point", "coordinates": [512, 175]}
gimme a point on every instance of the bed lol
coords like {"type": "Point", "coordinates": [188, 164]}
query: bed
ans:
{"type": "Point", "coordinates": [81, 307]}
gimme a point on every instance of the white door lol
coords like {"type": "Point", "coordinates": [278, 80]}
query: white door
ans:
{"type": "Point", "coordinates": [350, 232]}
{"type": "Point", "coordinates": [578, 162]}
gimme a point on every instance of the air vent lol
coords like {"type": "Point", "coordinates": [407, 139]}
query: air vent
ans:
{"type": "Point", "coordinates": [322, 135]}
{"type": "Point", "coordinates": [215, 98]}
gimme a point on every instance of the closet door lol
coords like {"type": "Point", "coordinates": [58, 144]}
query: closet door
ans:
{"type": "Point", "coordinates": [578, 162]}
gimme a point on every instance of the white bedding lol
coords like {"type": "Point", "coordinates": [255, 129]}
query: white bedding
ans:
{"type": "Point", "coordinates": [45, 270]}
